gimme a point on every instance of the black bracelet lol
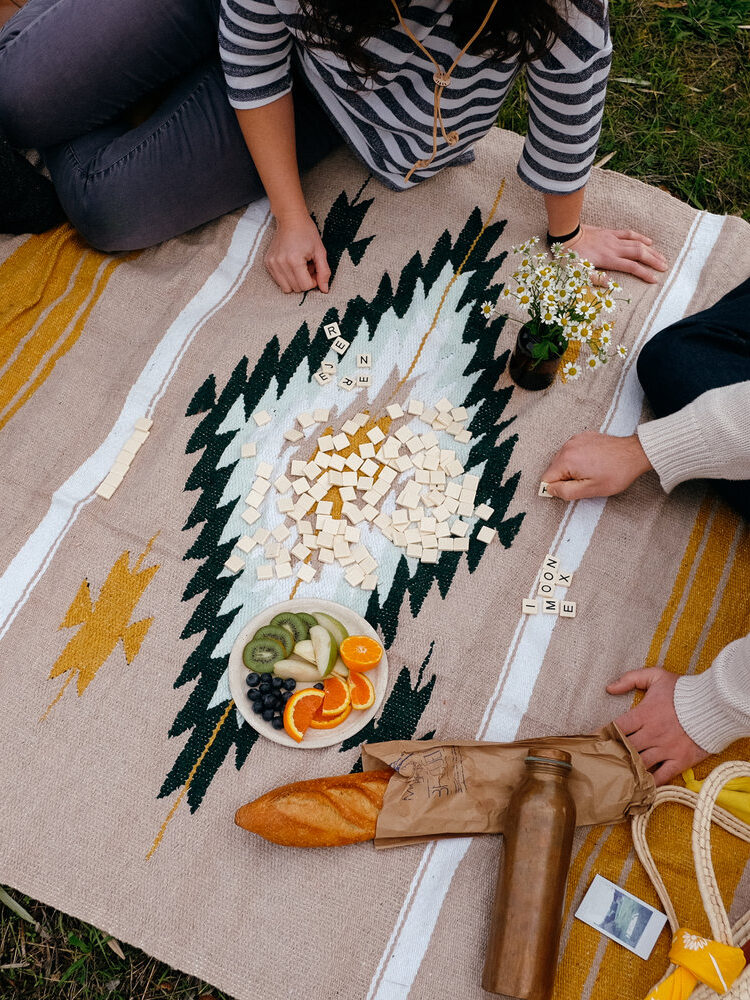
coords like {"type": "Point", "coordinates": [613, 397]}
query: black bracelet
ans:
{"type": "Point", "coordinates": [563, 239]}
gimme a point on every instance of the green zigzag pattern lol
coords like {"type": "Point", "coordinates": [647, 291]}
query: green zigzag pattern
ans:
{"type": "Point", "coordinates": [402, 711]}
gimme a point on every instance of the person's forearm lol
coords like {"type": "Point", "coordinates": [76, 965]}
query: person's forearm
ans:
{"type": "Point", "coordinates": [563, 212]}
{"type": "Point", "coordinates": [269, 135]}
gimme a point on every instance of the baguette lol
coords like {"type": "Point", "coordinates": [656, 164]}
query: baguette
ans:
{"type": "Point", "coordinates": [324, 812]}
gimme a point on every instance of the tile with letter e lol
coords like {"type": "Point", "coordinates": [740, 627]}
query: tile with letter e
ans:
{"type": "Point", "coordinates": [340, 346]}
{"type": "Point", "coordinates": [567, 609]}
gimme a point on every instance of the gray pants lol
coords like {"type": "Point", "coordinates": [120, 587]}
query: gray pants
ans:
{"type": "Point", "coordinates": [68, 71]}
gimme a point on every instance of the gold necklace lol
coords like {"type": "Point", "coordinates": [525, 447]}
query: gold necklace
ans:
{"type": "Point", "coordinates": [442, 80]}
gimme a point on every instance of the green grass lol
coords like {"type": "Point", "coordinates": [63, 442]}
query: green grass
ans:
{"type": "Point", "coordinates": [60, 958]}
{"type": "Point", "coordinates": [686, 131]}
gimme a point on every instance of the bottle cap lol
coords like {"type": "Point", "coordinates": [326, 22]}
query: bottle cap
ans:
{"type": "Point", "coordinates": [551, 755]}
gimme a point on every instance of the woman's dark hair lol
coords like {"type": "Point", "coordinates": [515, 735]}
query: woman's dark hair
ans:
{"type": "Point", "coordinates": [523, 28]}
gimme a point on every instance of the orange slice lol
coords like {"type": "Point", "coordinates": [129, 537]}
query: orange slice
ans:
{"type": "Point", "coordinates": [337, 697]}
{"type": "Point", "coordinates": [360, 652]}
{"type": "Point", "coordinates": [320, 721]}
{"type": "Point", "coordinates": [299, 711]}
{"type": "Point", "coordinates": [361, 690]}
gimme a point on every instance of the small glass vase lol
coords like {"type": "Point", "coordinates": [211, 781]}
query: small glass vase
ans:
{"type": "Point", "coordinates": [525, 370]}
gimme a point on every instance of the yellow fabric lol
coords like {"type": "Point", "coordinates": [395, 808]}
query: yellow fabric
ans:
{"type": "Point", "coordinates": [698, 959]}
{"type": "Point", "coordinates": [734, 796]}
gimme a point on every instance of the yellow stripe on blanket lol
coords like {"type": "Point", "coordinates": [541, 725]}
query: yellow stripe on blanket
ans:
{"type": "Point", "coordinates": [54, 282]}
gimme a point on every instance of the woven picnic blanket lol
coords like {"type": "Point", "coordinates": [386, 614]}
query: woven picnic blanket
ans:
{"type": "Point", "coordinates": [124, 756]}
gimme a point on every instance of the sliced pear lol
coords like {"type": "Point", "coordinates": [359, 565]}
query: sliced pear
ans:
{"type": "Point", "coordinates": [333, 625]}
{"type": "Point", "coordinates": [305, 649]}
{"type": "Point", "coordinates": [296, 669]}
{"type": "Point", "coordinates": [326, 649]}
{"type": "Point", "coordinates": [340, 668]}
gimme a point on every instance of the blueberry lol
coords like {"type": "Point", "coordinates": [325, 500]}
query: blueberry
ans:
{"type": "Point", "coordinates": [253, 694]}
{"type": "Point", "coordinates": [276, 682]}
{"type": "Point", "coordinates": [277, 722]}
{"type": "Point", "coordinates": [290, 684]}
{"type": "Point", "coordinates": [320, 686]}
{"type": "Point", "coordinates": [269, 700]}
{"type": "Point", "coordinates": [257, 706]}
{"type": "Point", "coordinates": [285, 696]}
{"type": "Point", "coordinates": [268, 714]}
{"type": "Point", "coordinates": [265, 684]}
{"type": "Point", "coordinates": [252, 679]}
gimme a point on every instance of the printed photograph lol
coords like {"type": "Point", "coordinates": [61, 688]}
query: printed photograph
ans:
{"type": "Point", "coordinates": [621, 916]}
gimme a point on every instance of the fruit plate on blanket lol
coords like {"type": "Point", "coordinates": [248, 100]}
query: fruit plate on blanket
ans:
{"type": "Point", "coordinates": [314, 738]}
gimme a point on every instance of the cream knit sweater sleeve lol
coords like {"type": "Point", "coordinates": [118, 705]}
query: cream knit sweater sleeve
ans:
{"type": "Point", "coordinates": [708, 439]}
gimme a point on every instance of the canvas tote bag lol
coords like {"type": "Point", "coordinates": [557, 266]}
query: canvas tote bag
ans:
{"type": "Point", "coordinates": [706, 811]}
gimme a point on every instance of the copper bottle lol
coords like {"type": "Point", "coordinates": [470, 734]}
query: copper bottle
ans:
{"type": "Point", "coordinates": [527, 913]}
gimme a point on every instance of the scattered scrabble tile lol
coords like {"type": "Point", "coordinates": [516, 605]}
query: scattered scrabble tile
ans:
{"type": "Point", "coordinates": [443, 405]}
{"type": "Point", "coordinates": [246, 544]}
{"type": "Point", "coordinates": [283, 570]}
{"type": "Point", "coordinates": [543, 491]}
{"type": "Point", "coordinates": [459, 413]}
{"type": "Point", "coordinates": [107, 488]}
{"type": "Point", "coordinates": [347, 383]}
{"type": "Point", "coordinates": [321, 415]}
{"type": "Point", "coordinates": [143, 424]}
{"type": "Point", "coordinates": [529, 606]}
{"type": "Point", "coordinates": [394, 411]}
{"type": "Point", "coordinates": [340, 346]}
{"type": "Point", "coordinates": [376, 435]}
{"type": "Point", "coordinates": [564, 579]}
{"type": "Point", "coordinates": [463, 437]}
{"type": "Point", "coordinates": [248, 450]}
{"type": "Point", "coordinates": [551, 562]}
{"type": "Point", "coordinates": [264, 571]}
{"type": "Point", "coordinates": [306, 572]}
{"type": "Point", "coordinates": [250, 515]}
{"type": "Point", "coordinates": [329, 367]}
{"type": "Point", "coordinates": [234, 564]}
{"type": "Point", "coordinates": [484, 511]}
{"type": "Point", "coordinates": [305, 420]}
{"type": "Point", "coordinates": [545, 590]}
{"type": "Point", "coordinates": [415, 407]}
{"type": "Point", "coordinates": [323, 378]}
{"type": "Point", "coordinates": [282, 484]}
{"type": "Point", "coordinates": [281, 533]}
{"type": "Point", "coordinates": [567, 609]}
{"type": "Point", "coordinates": [364, 361]}
{"type": "Point", "coordinates": [550, 606]}
{"type": "Point", "coordinates": [486, 535]}
{"type": "Point", "coordinates": [363, 380]}
{"type": "Point", "coordinates": [293, 435]}
{"type": "Point", "coordinates": [332, 331]}
{"type": "Point", "coordinates": [262, 417]}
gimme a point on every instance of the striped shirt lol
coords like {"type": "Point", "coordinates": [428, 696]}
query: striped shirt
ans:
{"type": "Point", "coordinates": [388, 120]}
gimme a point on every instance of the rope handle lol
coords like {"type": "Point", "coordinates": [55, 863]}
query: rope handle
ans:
{"type": "Point", "coordinates": [706, 811]}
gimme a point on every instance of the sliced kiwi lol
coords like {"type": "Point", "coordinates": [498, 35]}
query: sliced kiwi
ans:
{"type": "Point", "coordinates": [294, 624]}
{"type": "Point", "coordinates": [309, 620]}
{"type": "Point", "coordinates": [261, 654]}
{"type": "Point", "coordinates": [282, 635]}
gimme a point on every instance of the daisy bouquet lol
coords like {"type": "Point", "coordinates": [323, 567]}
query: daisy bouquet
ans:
{"type": "Point", "coordinates": [561, 304]}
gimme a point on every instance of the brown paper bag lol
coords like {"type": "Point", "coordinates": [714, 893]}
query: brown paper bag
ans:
{"type": "Point", "coordinates": [451, 788]}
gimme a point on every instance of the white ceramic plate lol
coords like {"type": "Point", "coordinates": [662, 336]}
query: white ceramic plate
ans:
{"type": "Point", "coordinates": [355, 625]}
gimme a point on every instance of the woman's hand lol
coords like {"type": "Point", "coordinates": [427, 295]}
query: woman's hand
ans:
{"type": "Point", "coordinates": [653, 727]}
{"type": "Point", "coordinates": [620, 250]}
{"type": "Point", "coordinates": [296, 258]}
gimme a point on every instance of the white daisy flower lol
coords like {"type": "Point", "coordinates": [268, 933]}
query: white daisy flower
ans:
{"type": "Point", "coordinates": [593, 362]}
{"type": "Point", "coordinates": [571, 371]}
{"type": "Point", "coordinates": [486, 308]}
{"type": "Point", "coordinates": [622, 350]}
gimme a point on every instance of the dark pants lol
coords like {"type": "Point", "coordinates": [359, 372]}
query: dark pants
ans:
{"type": "Point", "coordinates": [696, 354]}
{"type": "Point", "coordinates": [69, 69]}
